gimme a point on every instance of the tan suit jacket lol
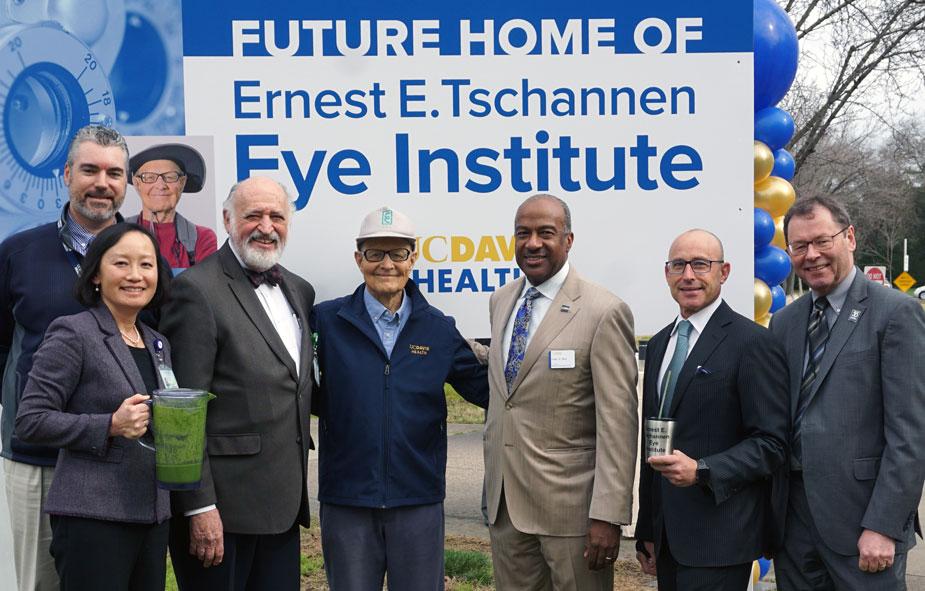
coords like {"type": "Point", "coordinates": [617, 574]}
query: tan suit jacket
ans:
{"type": "Point", "coordinates": [562, 443]}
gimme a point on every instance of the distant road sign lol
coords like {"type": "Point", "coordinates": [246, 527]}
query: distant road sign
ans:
{"type": "Point", "coordinates": [876, 273]}
{"type": "Point", "coordinates": [904, 281]}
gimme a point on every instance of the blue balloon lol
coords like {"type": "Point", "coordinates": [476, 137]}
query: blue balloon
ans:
{"type": "Point", "coordinates": [772, 265]}
{"type": "Point", "coordinates": [784, 166]}
{"type": "Point", "coordinates": [764, 228]}
{"type": "Point", "coordinates": [774, 127]}
{"type": "Point", "coordinates": [778, 298]}
{"type": "Point", "coordinates": [776, 53]}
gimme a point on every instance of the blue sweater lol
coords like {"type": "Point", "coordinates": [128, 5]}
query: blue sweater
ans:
{"type": "Point", "coordinates": [36, 286]}
{"type": "Point", "coordinates": [382, 436]}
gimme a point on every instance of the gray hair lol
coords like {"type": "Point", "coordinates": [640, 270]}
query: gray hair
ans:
{"type": "Point", "coordinates": [566, 212]}
{"type": "Point", "coordinates": [804, 208]}
{"type": "Point", "coordinates": [228, 203]}
{"type": "Point", "coordinates": [99, 135]}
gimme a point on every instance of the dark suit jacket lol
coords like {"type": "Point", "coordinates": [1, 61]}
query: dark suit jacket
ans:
{"type": "Point", "coordinates": [80, 375]}
{"type": "Point", "coordinates": [730, 404]}
{"type": "Point", "coordinates": [863, 433]}
{"type": "Point", "coordinates": [257, 429]}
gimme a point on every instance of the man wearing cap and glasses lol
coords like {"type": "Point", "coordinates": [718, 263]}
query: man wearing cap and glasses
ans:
{"type": "Point", "coordinates": [160, 174]}
{"type": "Point", "coordinates": [384, 355]}
{"type": "Point", "coordinates": [857, 402]}
{"type": "Point", "coordinates": [704, 510]}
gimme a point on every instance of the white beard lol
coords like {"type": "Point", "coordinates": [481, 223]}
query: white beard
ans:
{"type": "Point", "coordinates": [254, 259]}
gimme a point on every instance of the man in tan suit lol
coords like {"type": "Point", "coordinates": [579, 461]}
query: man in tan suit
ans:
{"type": "Point", "coordinates": [561, 433]}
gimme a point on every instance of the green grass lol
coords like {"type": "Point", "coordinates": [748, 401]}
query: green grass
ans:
{"type": "Point", "coordinates": [310, 564]}
{"type": "Point", "coordinates": [469, 566]}
{"type": "Point", "coordinates": [459, 410]}
{"type": "Point", "coordinates": [171, 579]}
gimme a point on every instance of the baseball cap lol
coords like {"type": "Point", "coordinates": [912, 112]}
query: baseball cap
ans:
{"type": "Point", "coordinates": [385, 222]}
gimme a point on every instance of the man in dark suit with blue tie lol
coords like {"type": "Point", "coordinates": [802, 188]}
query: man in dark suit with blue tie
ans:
{"type": "Point", "coordinates": [857, 400]}
{"type": "Point", "coordinates": [705, 509]}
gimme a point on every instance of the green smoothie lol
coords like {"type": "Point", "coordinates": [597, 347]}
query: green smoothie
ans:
{"type": "Point", "coordinates": [179, 433]}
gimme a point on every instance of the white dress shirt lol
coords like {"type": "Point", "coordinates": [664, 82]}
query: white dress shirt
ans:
{"type": "Point", "coordinates": [281, 315]}
{"type": "Point", "coordinates": [698, 322]}
{"type": "Point", "coordinates": [549, 289]}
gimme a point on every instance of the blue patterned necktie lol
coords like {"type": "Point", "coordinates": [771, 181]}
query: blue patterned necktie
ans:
{"type": "Point", "coordinates": [515, 354]}
{"type": "Point", "coordinates": [677, 362]}
{"type": "Point", "coordinates": [817, 335]}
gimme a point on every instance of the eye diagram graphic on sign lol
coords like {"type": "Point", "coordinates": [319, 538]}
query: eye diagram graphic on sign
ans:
{"type": "Point", "coordinates": [69, 63]}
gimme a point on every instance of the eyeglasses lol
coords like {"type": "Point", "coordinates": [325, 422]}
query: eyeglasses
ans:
{"type": "Point", "coordinates": [698, 266]}
{"type": "Point", "coordinates": [821, 243]}
{"type": "Point", "coordinates": [151, 177]}
{"type": "Point", "coordinates": [398, 255]}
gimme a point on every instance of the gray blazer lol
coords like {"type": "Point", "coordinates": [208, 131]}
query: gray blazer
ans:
{"type": "Point", "coordinates": [863, 434]}
{"type": "Point", "coordinates": [257, 429]}
{"type": "Point", "coordinates": [81, 374]}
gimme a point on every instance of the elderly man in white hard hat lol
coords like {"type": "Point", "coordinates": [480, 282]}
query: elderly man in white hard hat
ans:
{"type": "Point", "coordinates": [384, 355]}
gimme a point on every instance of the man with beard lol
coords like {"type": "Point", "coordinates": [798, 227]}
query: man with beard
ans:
{"type": "Point", "coordinates": [237, 323]}
{"type": "Point", "coordinates": [38, 268]}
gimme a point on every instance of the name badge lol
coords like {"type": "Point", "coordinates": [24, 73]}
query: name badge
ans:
{"type": "Point", "coordinates": [170, 380]}
{"type": "Point", "coordinates": [563, 359]}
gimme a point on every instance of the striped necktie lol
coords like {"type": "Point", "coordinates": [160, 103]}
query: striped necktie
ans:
{"type": "Point", "coordinates": [515, 354]}
{"type": "Point", "coordinates": [817, 334]}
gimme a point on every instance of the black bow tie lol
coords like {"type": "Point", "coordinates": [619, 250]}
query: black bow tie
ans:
{"type": "Point", "coordinates": [272, 276]}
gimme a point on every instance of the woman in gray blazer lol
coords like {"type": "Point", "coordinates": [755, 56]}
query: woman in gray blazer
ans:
{"type": "Point", "coordinates": [86, 395]}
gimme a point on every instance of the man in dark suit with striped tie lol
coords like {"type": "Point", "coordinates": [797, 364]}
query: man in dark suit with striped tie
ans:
{"type": "Point", "coordinates": [704, 510]}
{"type": "Point", "coordinates": [857, 400]}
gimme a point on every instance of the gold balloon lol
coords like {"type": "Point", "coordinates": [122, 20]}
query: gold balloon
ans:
{"type": "Point", "coordinates": [764, 161]}
{"type": "Point", "coordinates": [774, 195]}
{"type": "Point", "coordinates": [762, 298]}
{"type": "Point", "coordinates": [764, 320]}
{"type": "Point", "coordinates": [778, 239]}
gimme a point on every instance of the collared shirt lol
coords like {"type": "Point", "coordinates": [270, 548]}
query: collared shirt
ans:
{"type": "Point", "coordinates": [80, 236]}
{"type": "Point", "coordinates": [549, 289]}
{"type": "Point", "coordinates": [281, 315]}
{"type": "Point", "coordinates": [837, 297]}
{"type": "Point", "coordinates": [698, 322]}
{"type": "Point", "coordinates": [388, 325]}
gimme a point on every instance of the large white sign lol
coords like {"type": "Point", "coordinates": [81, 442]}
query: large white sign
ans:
{"type": "Point", "coordinates": [640, 117]}
{"type": "Point", "coordinates": [638, 114]}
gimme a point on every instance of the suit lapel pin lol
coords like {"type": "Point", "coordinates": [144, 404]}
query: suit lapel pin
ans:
{"type": "Point", "coordinates": [855, 315]}
{"type": "Point", "coordinates": [565, 308]}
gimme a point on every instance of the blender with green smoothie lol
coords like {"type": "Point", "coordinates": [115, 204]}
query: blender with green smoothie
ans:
{"type": "Point", "coordinates": [179, 428]}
